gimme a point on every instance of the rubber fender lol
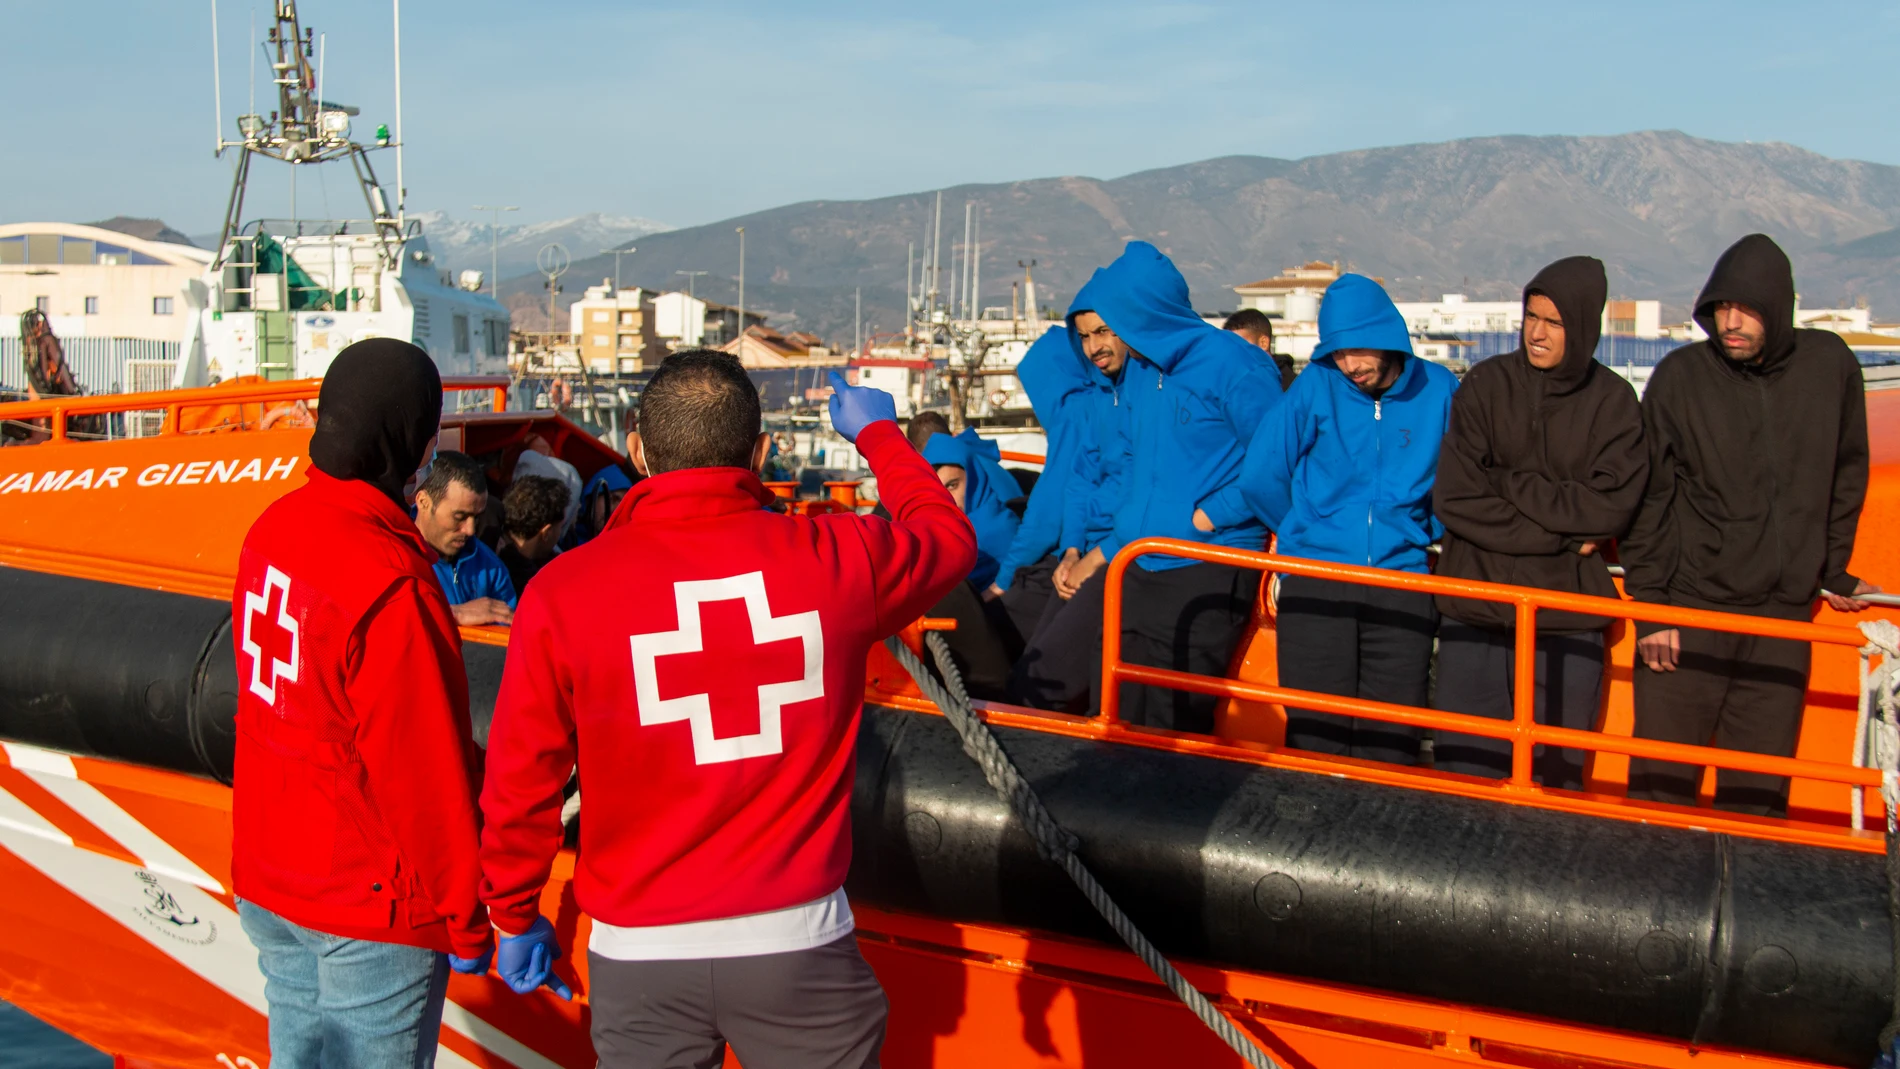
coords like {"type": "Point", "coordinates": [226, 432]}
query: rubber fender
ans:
{"type": "Point", "coordinates": [115, 671]}
{"type": "Point", "coordinates": [1671, 932]}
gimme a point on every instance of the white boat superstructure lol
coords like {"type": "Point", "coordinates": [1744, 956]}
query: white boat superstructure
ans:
{"type": "Point", "coordinates": [282, 297]}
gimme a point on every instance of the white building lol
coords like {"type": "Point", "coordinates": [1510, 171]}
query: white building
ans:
{"type": "Point", "coordinates": [1457, 314]}
{"type": "Point", "coordinates": [98, 283]}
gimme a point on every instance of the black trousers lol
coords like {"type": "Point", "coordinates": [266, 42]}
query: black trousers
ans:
{"type": "Point", "coordinates": [1477, 673]}
{"type": "Point", "coordinates": [1738, 692]}
{"type": "Point", "coordinates": [980, 645]}
{"type": "Point", "coordinates": [1028, 596]}
{"type": "Point", "coordinates": [1355, 641]}
{"type": "Point", "coordinates": [1061, 666]}
{"type": "Point", "coordinates": [1188, 619]}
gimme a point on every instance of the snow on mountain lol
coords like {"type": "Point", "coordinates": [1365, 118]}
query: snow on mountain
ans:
{"type": "Point", "coordinates": [461, 244]}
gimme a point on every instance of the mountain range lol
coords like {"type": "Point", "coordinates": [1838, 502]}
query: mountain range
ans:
{"type": "Point", "coordinates": [1477, 216]}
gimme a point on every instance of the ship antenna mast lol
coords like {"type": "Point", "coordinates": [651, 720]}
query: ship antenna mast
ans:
{"type": "Point", "coordinates": [303, 130]}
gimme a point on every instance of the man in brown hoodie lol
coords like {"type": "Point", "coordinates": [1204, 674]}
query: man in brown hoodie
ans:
{"type": "Point", "coordinates": [1542, 466]}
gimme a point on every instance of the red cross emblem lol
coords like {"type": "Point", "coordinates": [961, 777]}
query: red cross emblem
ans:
{"type": "Point", "coordinates": [270, 635]}
{"type": "Point", "coordinates": [730, 680]}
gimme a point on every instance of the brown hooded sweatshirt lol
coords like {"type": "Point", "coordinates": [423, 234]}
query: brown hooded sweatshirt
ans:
{"type": "Point", "coordinates": [1758, 470]}
{"type": "Point", "coordinates": [1537, 462]}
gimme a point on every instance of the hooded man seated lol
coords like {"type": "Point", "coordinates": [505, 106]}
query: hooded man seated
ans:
{"type": "Point", "coordinates": [1343, 471]}
{"type": "Point", "coordinates": [1191, 396]}
{"type": "Point", "coordinates": [984, 643]}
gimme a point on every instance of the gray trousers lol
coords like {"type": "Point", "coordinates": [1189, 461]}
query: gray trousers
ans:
{"type": "Point", "coordinates": [807, 1009]}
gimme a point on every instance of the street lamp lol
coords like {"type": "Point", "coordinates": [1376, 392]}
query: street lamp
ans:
{"type": "Point", "coordinates": [690, 277]}
{"type": "Point", "coordinates": [741, 231]}
{"type": "Point", "coordinates": [617, 254]}
{"type": "Point", "coordinates": [494, 245]}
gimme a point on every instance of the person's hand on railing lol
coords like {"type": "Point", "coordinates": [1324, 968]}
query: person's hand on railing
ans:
{"type": "Point", "coordinates": [1841, 603]}
{"type": "Point", "coordinates": [1661, 650]}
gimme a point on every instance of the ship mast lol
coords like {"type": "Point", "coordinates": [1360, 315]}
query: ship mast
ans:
{"type": "Point", "coordinates": [304, 130]}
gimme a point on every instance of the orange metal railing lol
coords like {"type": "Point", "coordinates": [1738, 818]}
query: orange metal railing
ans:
{"type": "Point", "coordinates": [58, 409]}
{"type": "Point", "coordinates": [1522, 730]}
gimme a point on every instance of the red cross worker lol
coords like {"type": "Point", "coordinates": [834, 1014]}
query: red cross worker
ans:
{"type": "Point", "coordinates": [354, 852]}
{"type": "Point", "coordinates": [702, 660]}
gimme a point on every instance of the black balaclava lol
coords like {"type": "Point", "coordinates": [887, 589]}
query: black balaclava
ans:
{"type": "Point", "coordinates": [1578, 287]}
{"type": "Point", "coordinates": [380, 404]}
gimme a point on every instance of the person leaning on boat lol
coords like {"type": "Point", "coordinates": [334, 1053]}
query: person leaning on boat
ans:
{"type": "Point", "coordinates": [1758, 469]}
{"type": "Point", "coordinates": [354, 840]}
{"type": "Point", "coordinates": [1543, 465]}
{"type": "Point", "coordinates": [1342, 471]}
{"type": "Point", "coordinates": [711, 694]}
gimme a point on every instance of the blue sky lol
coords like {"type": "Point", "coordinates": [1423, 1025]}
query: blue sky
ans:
{"type": "Point", "coordinates": [692, 112]}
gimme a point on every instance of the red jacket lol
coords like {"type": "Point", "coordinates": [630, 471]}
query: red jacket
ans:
{"type": "Point", "coordinates": [356, 776]}
{"type": "Point", "coordinates": [705, 657]}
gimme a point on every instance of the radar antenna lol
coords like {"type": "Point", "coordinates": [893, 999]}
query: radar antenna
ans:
{"type": "Point", "coordinates": [304, 129]}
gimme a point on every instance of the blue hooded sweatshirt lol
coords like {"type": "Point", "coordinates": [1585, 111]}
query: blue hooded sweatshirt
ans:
{"type": "Point", "coordinates": [1192, 396]}
{"type": "Point", "coordinates": [987, 490]}
{"type": "Point", "coordinates": [1340, 475]}
{"type": "Point", "coordinates": [1053, 382]}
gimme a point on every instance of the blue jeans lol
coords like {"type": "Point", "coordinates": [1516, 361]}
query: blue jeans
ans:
{"type": "Point", "coordinates": [339, 1003]}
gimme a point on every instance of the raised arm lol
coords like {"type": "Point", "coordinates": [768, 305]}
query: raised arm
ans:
{"type": "Point", "coordinates": [410, 695]}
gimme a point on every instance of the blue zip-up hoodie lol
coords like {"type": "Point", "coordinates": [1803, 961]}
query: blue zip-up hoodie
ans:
{"type": "Point", "coordinates": [1339, 475]}
{"type": "Point", "coordinates": [476, 572]}
{"type": "Point", "coordinates": [987, 490]}
{"type": "Point", "coordinates": [1094, 494]}
{"type": "Point", "coordinates": [1193, 395]}
{"type": "Point", "coordinates": [1052, 381]}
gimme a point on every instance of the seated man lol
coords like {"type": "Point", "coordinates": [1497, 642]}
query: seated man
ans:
{"type": "Point", "coordinates": [599, 498]}
{"type": "Point", "coordinates": [984, 644]}
{"type": "Point", "coordinates": [1255, 326]}
{"type": "Point", "coordinates": [449, 502]}
{"type": "Point", "coordinates": [1061, 664]}
{"type": "Point", "coordinates": [1342, 471]}
{"type": "Point", "coordinates": [1543, 465]}
{"type": "Point", "coordinates": [719, 756]}
{"type": "Point", "coordinates": [531, 526]}
{"type": "Point", "coordinates": [1053, 377]}
{"type": "Point", "coordinates": [1193, 396]}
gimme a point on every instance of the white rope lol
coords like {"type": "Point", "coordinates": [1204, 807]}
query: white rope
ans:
{"type": "Point", "coordinates": [1877, 726]}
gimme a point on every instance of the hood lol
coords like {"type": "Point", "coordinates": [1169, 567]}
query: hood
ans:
{"type": "Point", "coordinates": [379, 405]}
{"type": "Point", "coordinates": [1143, 298]}
{"type": "Point", "coordinates": [1755, 272]}
{"type": "Point", "coordinates": [987, 490]}
{"type": "Point", "coordinates": [1356, 313]}
{"type": "Point", "coordinates": [1050, 374]}
{"type": "Point", "coordinates": [1578, 287]}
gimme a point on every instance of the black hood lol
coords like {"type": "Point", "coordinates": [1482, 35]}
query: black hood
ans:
{"type": "Point", "coordinates": [1755, 272]}
{"type": "Point", "coordinates": [1578, 287]}
{"type": "Point", "coordinates": [380, 404]}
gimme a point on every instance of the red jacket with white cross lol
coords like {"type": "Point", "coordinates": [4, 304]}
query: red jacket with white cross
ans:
{"type": "Point", "coordinates": [353, 804]}
{"type": "Point", "coordinates": [704, 659]}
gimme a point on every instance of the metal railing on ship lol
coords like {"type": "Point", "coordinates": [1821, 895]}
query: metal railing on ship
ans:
{"type": "Point", "coordinates": [1522, 731]}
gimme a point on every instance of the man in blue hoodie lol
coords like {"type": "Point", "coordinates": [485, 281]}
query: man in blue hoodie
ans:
{"type": "Point", "coordinates": [1053, 380]}
{"type": "Point", "coordinates": [1061, 663]}
{"type": "Point", "coordinates": [1343, 472]}
{"type": "Point", "coordinates": [1191, 397]}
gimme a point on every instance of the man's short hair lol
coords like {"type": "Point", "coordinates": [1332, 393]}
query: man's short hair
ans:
{"type": "Point", "coordinates": [450, 466]}
{"type": "Point", "coordinates": [923, 425]}
{"type": "Point", "coordinates": [533, 502]}
{"type": "Point", "coordinates": [1250, 319]}
{"type": "Point", "coordinates": [700, 410]}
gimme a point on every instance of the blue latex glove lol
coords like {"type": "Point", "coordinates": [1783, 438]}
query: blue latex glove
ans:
{"type": "Point", "coordinates": [854, 408]}
{"type": "Point", "coordinates": [526, 961]}
{"type": "Point", "coordinates": [474, 966]}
